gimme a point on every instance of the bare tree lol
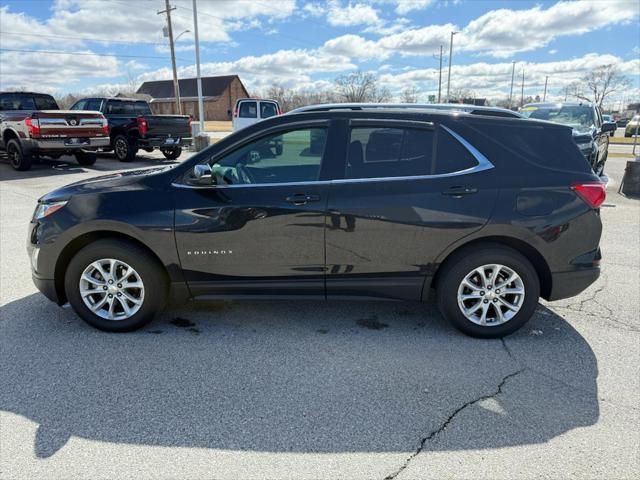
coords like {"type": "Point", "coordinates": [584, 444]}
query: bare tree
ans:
{"type": "Point", "coordinates": [458, 95]}
{"type": "Point", "coordinates": [409, 95]}
{"type": "Point", "coordinates": [65, 101]}
{"type": "Point", "coordinates": [360, 87]}
{"type": "Point", "coordinates": [600, 83]}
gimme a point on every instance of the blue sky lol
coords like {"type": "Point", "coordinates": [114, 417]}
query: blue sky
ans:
{"type": "Point", "coordinates": [83, 45]}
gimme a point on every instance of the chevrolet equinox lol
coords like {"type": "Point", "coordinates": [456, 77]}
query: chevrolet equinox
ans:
{"type": "Point", "coordinates": [492, 213]}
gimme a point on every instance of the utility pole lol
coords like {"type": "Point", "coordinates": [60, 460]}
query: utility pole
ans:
{"type": "Point", "coordinates": [176, 87]}
{"type": "Point", "coordinates": [513, 72]}
{"type": "Point", "coordinates": [199, 78]}
{"type": "Point", "coordinates": [450, 57]}
{"type": "Point", "coordinates": [522, 90]}
{"type": "Point", "coordinates": [440, 77]}
{"type": "Point", "coordinates": [544, 96]}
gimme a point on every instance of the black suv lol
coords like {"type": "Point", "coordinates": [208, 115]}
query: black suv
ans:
{"type": "Point", "coordinates": [491, 212]}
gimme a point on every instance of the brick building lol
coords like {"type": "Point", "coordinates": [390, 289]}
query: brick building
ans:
{"type": "Point", "coordinates": [220, 95]}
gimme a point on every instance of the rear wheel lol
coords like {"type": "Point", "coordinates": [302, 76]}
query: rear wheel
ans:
{"type": "Point", "coordinates": [123, 148]}
{"type": "Point", "coordinates": [171, 153]}
{"type": "Point", "coordinates": [17, 157]}
{"type": "Point", "coordinates": [115, 286]}
{"type": "Point", "coordinates": [489, 291]}
{"type": "Point", "coordinates": [86, 158]}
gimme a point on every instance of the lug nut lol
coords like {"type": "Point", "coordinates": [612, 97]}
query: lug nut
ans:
{"type": "Point", "coordinates": [481, 293]}
{"type": "Point", "coordinates": [104, 288]}
{"type": "Point", "coordinates": [119, 294]}
{"type": "Point", "coordinates": [489, 287]}
{"type": "Point", "coordinates": [110, 282]}
{"type": "Point", "coordinates": [495, 300]}
{"type": "Point", "coordinates": [111, 295]}
{"type": "Point", "coordinates": [119, 285]}
{"type": "Point", "coordinates": [485, 301]}
{"type": "Point", "coordinates": [498, 291]}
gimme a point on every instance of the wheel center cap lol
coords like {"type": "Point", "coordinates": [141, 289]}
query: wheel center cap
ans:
{"type": "Point", "coordinates": [490, 295]}
{"type": "Point", "coordinates": [113, 289]}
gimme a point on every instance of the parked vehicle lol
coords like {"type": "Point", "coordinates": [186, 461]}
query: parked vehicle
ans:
{"type": "Point", "coordinates": [633, 127]}
{"type": "Point", "coordinates": [609, 119]}
{"type": "Point", "coordinates": [251, 110]}
{"type": "Point", "coordinates": [590, 132]}
{"type": "Point", "coordinates": [491, 212]}
{"type": "Point", "coordinates": [132, 126]}
{"type": "Point", "coordinates": [32, 125]}
{"type": "Point", "coordinates": [622, 122]}
{"type": "Point", "coordinates": [454, 107]}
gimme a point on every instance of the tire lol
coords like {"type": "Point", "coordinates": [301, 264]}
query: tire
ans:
{"type": "Point", "coordinates": [86, 158]}
{"type": "Point", "coordinates": [123, 148]}
{"type": "Point", "coordinates": [599, 167]}
{"type": "Point", "coordinates": [17, 158]}
{"type": "Point", "coordinates": [171, 153]}
{"type": "Point", "coordinates": [146, 270]}
{"type": "Point", "coordinates": [462, 264]}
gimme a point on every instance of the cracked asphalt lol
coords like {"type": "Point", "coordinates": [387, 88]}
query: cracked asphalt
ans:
{"type": "Point", "coordinates": [309, 390]}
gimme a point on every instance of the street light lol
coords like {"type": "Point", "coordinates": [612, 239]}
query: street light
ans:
{"type": "Point", "coordinates": [176, 39]}
{"type": "Point", "coordinates": [450, 56]}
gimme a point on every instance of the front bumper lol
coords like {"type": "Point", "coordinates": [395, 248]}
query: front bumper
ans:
{"type": "Point", "coordinates": [61, 145]}
{"type": "Point", "coordinates": [164, 142]}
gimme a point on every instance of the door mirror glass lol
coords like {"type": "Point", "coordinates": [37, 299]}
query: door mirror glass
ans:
{"type": "Point", "coordinates": [203, 172]}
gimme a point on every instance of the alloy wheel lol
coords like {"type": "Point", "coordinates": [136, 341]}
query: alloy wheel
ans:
{"type": "Point", "coordinates": [111, 289]}
{"type": "Point", "coordinates": [491, 295]}
{"type": "Point", "coordinates": [14, 156]}
{"type": "Point", "coordinates": [121, 148]}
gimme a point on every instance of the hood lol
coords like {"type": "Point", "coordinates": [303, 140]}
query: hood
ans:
{"type": "Point", "coordinates": [102, 183]}
{"type": "Point", "coordinates": [580, 131]}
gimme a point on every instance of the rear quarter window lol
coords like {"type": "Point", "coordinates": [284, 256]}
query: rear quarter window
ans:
{"type": "Point", "coordinates": [268, 109]}
{"type": "Point", "coordinates": [248, 110]}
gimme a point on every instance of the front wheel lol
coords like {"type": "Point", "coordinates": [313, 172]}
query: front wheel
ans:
{"type": "Point", "coordinates": [115, 286]}
{"type": "Point", "coordinates": [171, 153]}
{"type": "Point", "coordinates": [489, 291]}
{"type": "Point", "coordinates": [86, 158]}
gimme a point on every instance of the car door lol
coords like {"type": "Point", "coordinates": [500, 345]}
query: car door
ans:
{"type": "Point", "coordinates": [246, 114]}
{"type": "Point", "coordinates": [409, 190]}
{"type": "Point", "coordinates": [257, 228]}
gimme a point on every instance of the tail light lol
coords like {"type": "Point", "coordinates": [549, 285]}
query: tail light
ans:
{"type": "Point", "coordinates": [190, 130]}
{"type": "Point", "coordinates": [105, 126]}
{"type": "Point", "coordinates": [33, 125]}
{"type": "Point", "coordinates": [143, 128]}
{"type": "Point", "coordinates": [235, 113]}
{"type": "Point", "coordinates": [593, 193]}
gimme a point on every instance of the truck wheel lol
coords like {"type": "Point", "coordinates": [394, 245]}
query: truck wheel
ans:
{"type": "Point", "coordinates": [115, 285]}
{"type": "Point", "coordinates": [123, 148]}
{"type": "Point", "coordinates": [489, 291]}
{"type": "Point", "coordinates": [18, 159]}
{"type": "Point", "coordinates": [86, 158]}
{"type": "Point", "coordinates": [171, 153]}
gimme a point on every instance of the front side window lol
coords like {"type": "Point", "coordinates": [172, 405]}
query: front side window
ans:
{"type": "Point", "coordinates": [93, 104]}
{"type": "Point", "coordinates": [142, 108]}
{"type": "Point", "coordinates": [285, 157]}
{"type": "Point", "coordinates": [248, 110]}
{"type": "Point", "coordinates": [576, 116]}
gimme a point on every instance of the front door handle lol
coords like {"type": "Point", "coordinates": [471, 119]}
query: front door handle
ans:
{"type": "Point", "coordinates": [302, 198]}
{"type": "Point", "coordinates": [459, 192]}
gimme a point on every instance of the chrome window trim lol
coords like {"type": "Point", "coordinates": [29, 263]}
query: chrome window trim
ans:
{"type": "Point", "coordinates": [483, 164]}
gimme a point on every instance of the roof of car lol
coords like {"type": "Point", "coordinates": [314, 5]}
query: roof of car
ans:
{"type": "Point", "coordinates": [457, 107]}
{"type": "Point", "coordinates": [30, 93]}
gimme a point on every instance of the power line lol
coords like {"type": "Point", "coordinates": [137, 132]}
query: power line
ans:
{"type": "Point", "coordinates": [86, 39]}
{"type": "Point", "coordinates": [88, 54]}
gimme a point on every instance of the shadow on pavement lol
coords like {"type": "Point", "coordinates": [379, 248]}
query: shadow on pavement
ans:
{"type": "Point", "coordinates": [294, 376]}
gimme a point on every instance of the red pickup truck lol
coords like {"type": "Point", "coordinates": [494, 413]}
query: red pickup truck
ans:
{"type": "Point", "coordinates": [32, 125]}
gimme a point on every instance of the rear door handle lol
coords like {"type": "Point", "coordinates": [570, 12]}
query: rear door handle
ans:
{"type": "Point", "coordinates": [302, 198]}
{"type": "Point", "coordinates": [459, 192]}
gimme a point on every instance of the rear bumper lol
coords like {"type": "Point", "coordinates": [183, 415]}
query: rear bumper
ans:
{"type": "Point", "coordinates": [164, 142]}
{"type": "Point", "coordinates": [61, 145]}
{"type": "Point", "coordinates": [570, 284]}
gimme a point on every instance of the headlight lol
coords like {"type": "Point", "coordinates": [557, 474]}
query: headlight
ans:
{"type": "Point", "coordinates": [46, 209]}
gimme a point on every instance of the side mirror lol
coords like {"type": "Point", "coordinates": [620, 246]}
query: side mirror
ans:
{"type": "Point", "coordinates": [609, 127]}
{"type": "Point", "coordinates": [202, 172]}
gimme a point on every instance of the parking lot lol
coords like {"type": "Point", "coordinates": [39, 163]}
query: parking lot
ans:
{"type": "Point", "coordinates": [315, 390]}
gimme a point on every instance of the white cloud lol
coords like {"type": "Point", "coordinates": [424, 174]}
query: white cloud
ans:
{"type": "Point", "coordinates": [405, 6]}
{"type": "Point", "coordinates": [314, 9]}
{"type": "Point", "coordinates": [354, 46]}
{"type": "Point", "coordinates": [422, 41]}
{"type": "Point", "coordinates": [553, 51]}
{"type": "Point", "coordinates": [504, 32]}
{"type": "Point", "coordinates": [340, 15]}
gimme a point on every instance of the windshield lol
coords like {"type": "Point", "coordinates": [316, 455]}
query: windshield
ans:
{"type": "Point", "coordinates": [571, 115]}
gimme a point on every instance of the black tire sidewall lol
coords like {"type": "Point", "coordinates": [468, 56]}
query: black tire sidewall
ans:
{"type": "Point", "coordinates": [24, 162]}
{"type": "Point", "coordinates": [151, 273]}
{"type": "Point", "coordinates": [86, 158]}
{"type": "Point", "coordinates": [171, 153]}
{"type": "Point", "coordinates": [130, 154]}
{"type": "Point", "coordinates": [464, 263]}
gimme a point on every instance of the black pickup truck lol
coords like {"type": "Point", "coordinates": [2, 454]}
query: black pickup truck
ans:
{"type": "Point", "coordinates": [132, 126]}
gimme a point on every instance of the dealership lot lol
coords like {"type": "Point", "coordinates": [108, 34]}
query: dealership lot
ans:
{"type": "Point", "coordinates": [311, 390]}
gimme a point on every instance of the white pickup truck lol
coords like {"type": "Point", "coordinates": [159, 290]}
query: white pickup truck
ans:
{"type": "Point", "coordinates": [251, 110]}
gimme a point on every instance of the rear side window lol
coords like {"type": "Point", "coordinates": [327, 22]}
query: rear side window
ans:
{"type": "Point", "coordinates": [268, 109]}
{"type": "Point", "coordinates": [248, 110]}
{"type": "Point", "coordinates": [388, 152]}
{"type": "Point", "coordinates": [45, 102]}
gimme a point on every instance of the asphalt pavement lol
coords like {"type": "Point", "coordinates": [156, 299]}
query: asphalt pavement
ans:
{"type": "Point", "coordinates": [310, 390]}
